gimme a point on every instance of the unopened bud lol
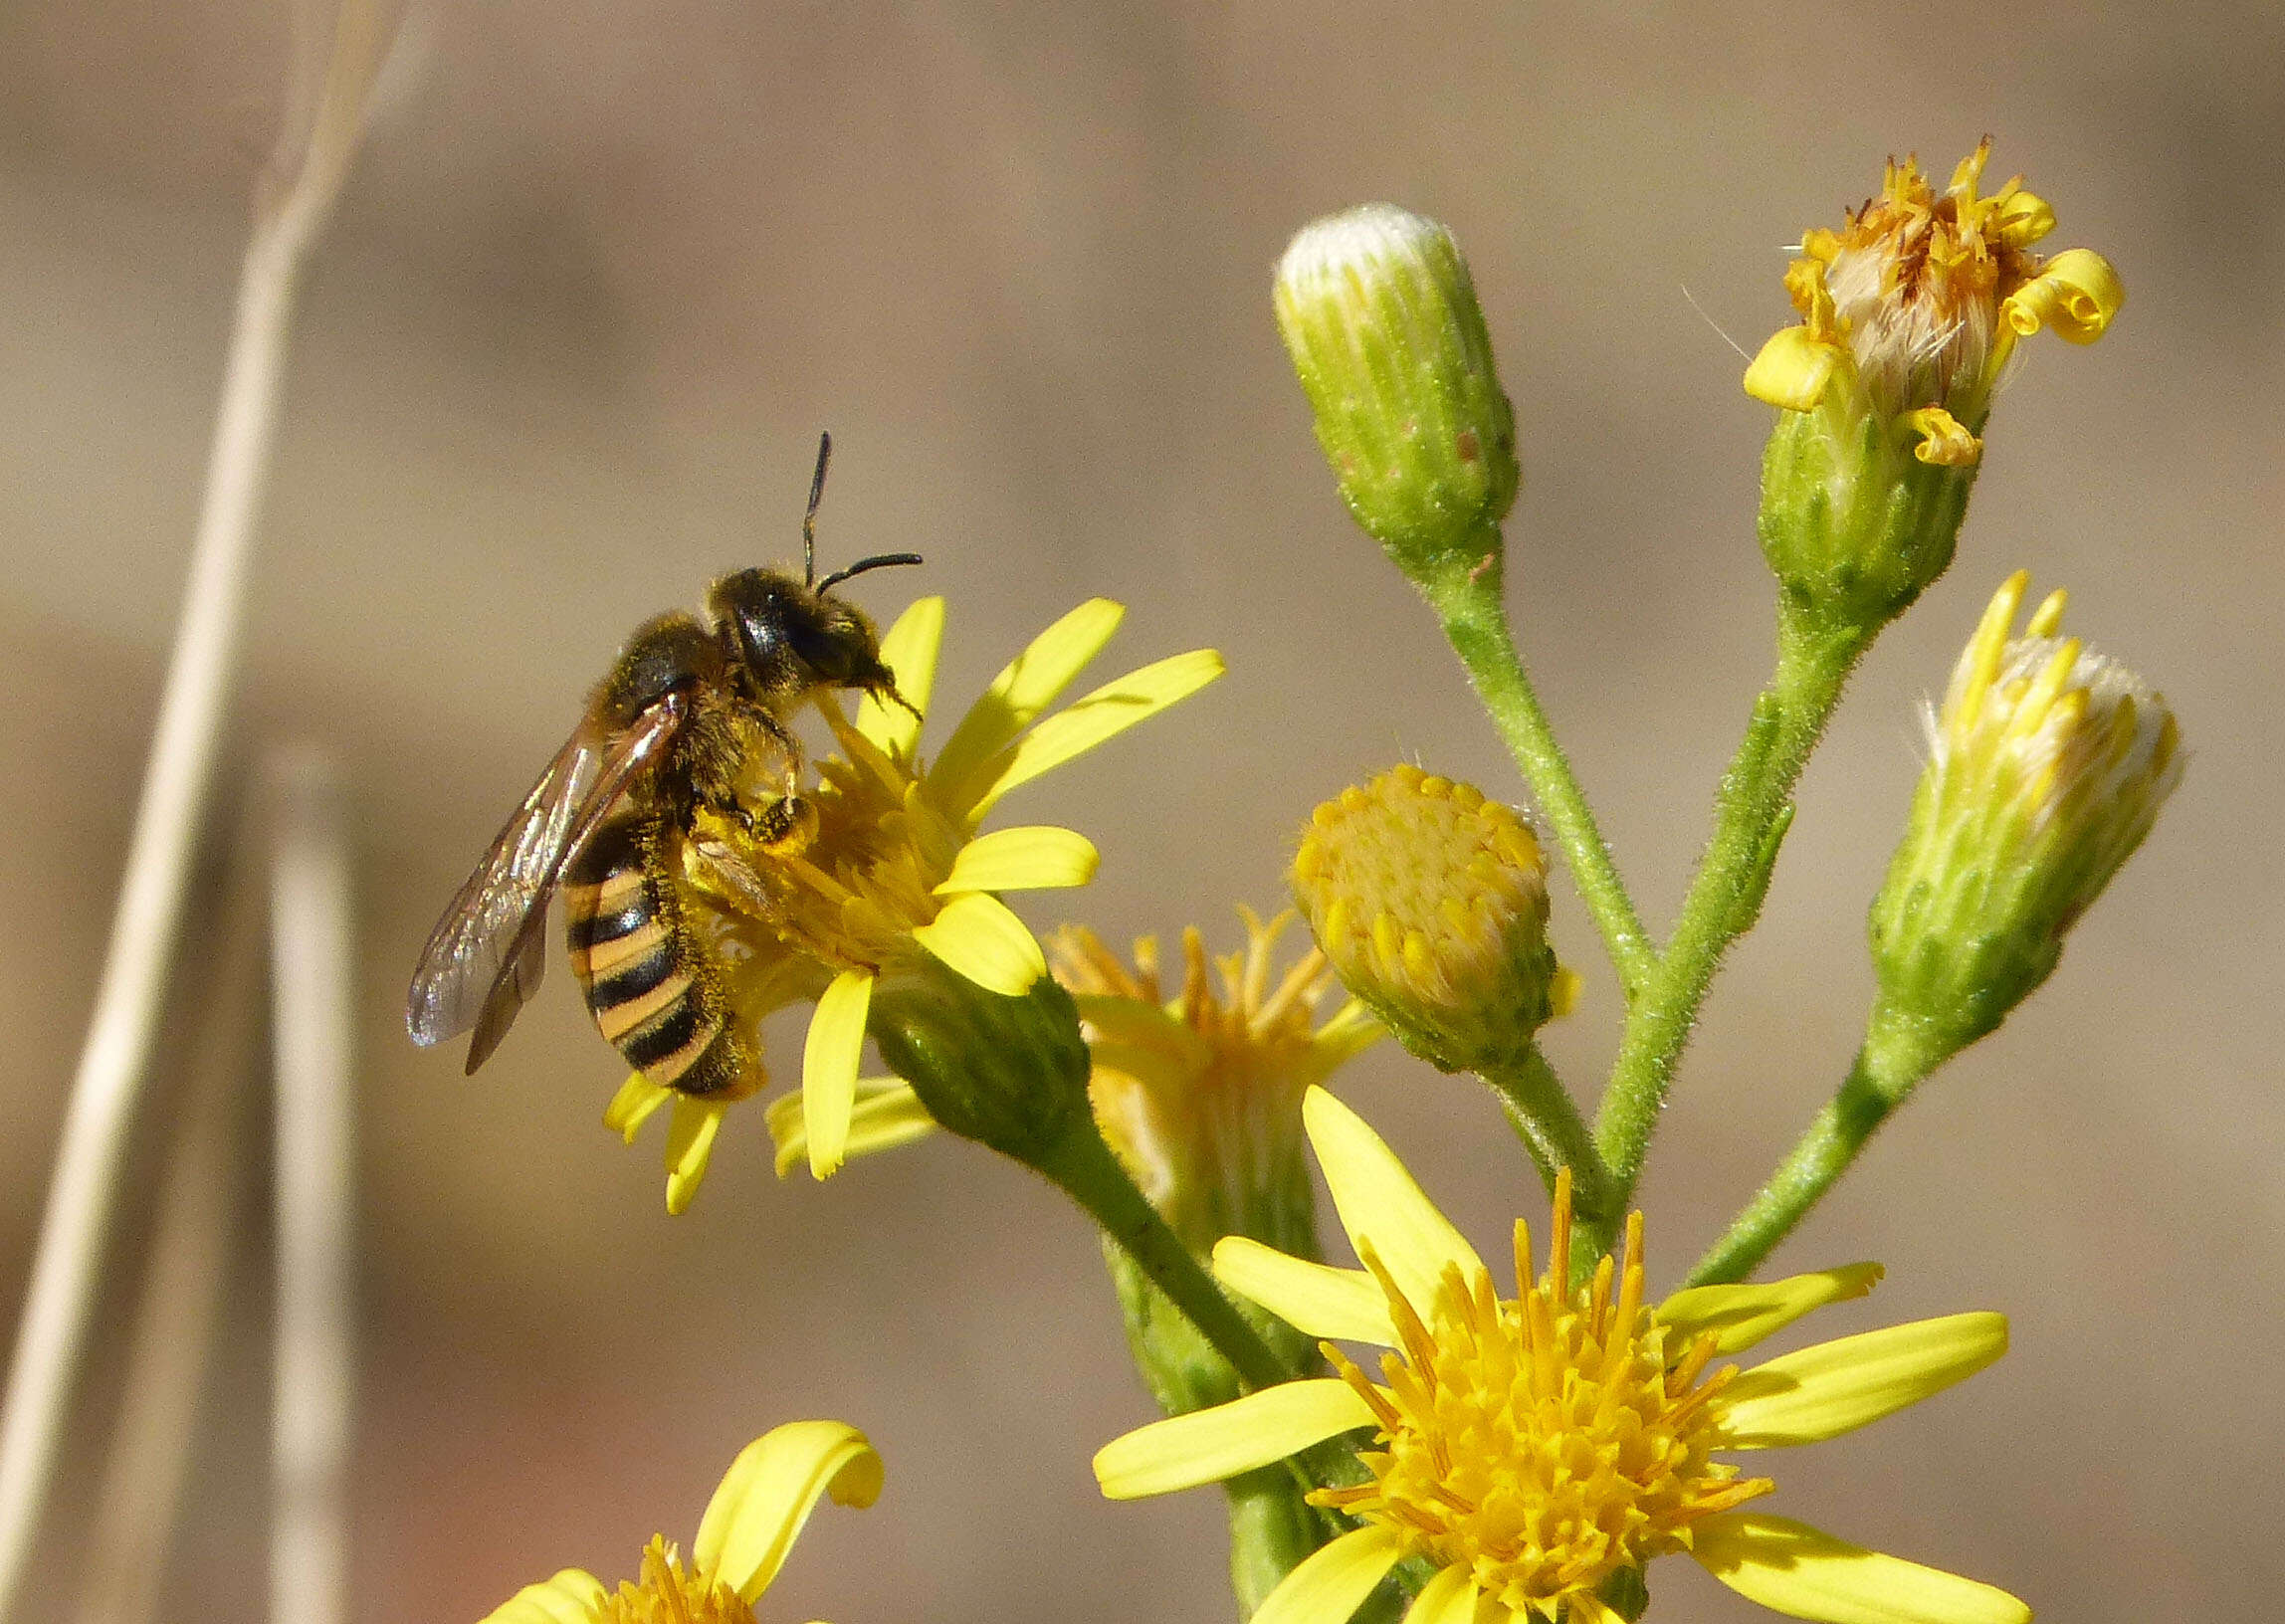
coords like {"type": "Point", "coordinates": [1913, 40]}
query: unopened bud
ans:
{"type": "Point", "coordinates": [1380, 314]}
{"type": "Point", "coordinates": [1431, 901]}
{"type": "Point", "coordinates": [2048, 763]}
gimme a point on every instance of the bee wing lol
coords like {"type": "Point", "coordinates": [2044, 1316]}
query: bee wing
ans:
{"type": "Point", "coordinates": [487, 954]}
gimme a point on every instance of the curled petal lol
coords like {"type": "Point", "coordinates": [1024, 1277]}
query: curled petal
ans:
{"type": "Point", "coordinates": [1943, 440]}
{"type": "Point", "coordinates": [1794, 1568]}
{"type": "Point", "coordinates": [2076, 293]}
{"type": "Point", "coordinates": [769, 1492]}
{"type": "Point", "coordinates": [1835, 1387]}
{"type": "Point", "coordinates": [888, 1114]}
{"type": "Point", "coordinates": [570, 1597]}
{"type": "Point", "coordinates": [1793, 369]}
{"type": "Point", "coordinates": [1209, 1445]}
{"type": "Point", "coordinates": [1380, 1203]}
{"type": "Point", "coordinates": [978, 936]}
{"type": "Point", "coordinates": [829, 1069]}
{"type": "Point", "coordinates": [1741, 1315]}
{"type": "Point", "coordinates": [1345, 1304]}
{"type": "Point", "coordinates": [910, 652]}
{"type": "Point", "coordinates": [1334, 1579]}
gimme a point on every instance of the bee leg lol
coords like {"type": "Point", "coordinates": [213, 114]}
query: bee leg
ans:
{"type": "Point", "coordinates": [785, 826]}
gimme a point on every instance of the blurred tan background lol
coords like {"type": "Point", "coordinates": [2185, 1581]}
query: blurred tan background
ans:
{"type": "Point", "coordinates": [601, 276]}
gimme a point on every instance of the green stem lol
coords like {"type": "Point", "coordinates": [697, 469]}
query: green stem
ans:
{"type": "Point", "coordinates": [1750, 813]}
{"type": "Point", "coordinates": [1541, 1110]}
{"type": "Point", "coordinates": [1083, 1166]}
{"type": "Point", "coordinates": [1475, 620]}
{"type": "Point", "coordinates": [1894, 1058]}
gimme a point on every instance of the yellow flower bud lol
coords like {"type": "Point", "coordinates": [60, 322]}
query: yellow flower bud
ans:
{"type": "Point", "coordinates": [1380, 314]}
{"type": "Point", "coordinates": [1431, 903]}
{"type": "Point", "coordinates": [1909, 314]}
{"type": "Point", "coordinates": [2048, 763]}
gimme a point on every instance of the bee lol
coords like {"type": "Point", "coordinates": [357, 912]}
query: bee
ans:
{"type": "Point", "coordinates": [686, 717]}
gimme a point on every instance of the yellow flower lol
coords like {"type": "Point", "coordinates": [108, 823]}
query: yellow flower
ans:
{"type": "Point", "coordinates": [897, 876]}
{"type": "Point", "coordinates": [748, 1526]}
{"type": "Point", "coordinates": [1533, 1450]}
{"type": "Point", "coordinates": [1199, 1094]}
{"type": "Point", "coordinates": [1911, 310]}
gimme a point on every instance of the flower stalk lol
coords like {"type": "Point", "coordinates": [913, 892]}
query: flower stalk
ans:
{"type": "Point", "coordinates": [1474, 615]}
{"type": "Point", "coordinates": [1752, 811]}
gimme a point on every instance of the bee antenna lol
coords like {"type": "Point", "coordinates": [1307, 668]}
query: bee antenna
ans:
{"type": "Point", "coordinates": [880, 561]}
{"type": "Point", "coordinates": [809, 519]}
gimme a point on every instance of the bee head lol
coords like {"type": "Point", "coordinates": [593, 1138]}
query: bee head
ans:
{"type": "Point", "coordinates": [787, 637]}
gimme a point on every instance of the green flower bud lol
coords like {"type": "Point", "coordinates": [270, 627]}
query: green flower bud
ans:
{"type": "Point", "coordinates": [1009, 1073]}
{"type": "Point", "coordinates": [1431, 901]}
{"type": "Point", "coordinates": [1380, 318]}
{"type": "Point", "coordinates": [2048, 763]}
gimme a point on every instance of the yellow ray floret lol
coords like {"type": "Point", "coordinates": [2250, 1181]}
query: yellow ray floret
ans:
{"type": "Point", "coordinates": [749, 1525]}
{"type": "Point", "coordinates": [1529, 1449]}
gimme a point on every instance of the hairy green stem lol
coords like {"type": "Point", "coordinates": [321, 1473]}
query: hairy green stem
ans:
{"type": "Point", "coordinates": [1541, 1110]}
{"type": "Point", "coordinates": [1895, 1056]}
{"type": "Point", "coordinates": [1083, 1166]}
{"type": "Point", "coordinates": [1475, 621]}
{"type": "Point", "coordinates": [1752, 811]}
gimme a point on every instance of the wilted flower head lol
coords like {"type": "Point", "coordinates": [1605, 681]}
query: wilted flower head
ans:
{"type": "Point", "coordinates": [1380, 314]}
{"type": "Point", "coordinates": [1909, 314]}
{"type": "Point", "coordinates": [2047, 765]}
{"type": "Point", "coordinates": [1915, 304]}
{"type": "Point", "coordinates": [1431, 901]}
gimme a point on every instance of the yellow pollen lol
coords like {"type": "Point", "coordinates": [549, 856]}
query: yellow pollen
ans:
{"type": "Point", "coordinates": [666, 1594]}
{"type": "Point", "coordinates": [1543, 1443]}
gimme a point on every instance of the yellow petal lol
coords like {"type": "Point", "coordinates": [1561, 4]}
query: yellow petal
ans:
{"type": "Point", "coordinates": [1380, 1203]}
{"type": "Point", "coordinates": [1837, 1387]}
{"type": "Point", "coordinates": [1027, 685]}
{"type": "Point", "coordinates": [638, 1097]}
{"type": "Point", "coordinates": [1793, 369]}
{"type": "Point", "coordinates": [690, 1139]}
{"type": "Point", "coordinates": [1794, 1568]}
{"type": "Point", "coordinates": [1347, 1305]}
{"type": "Point", "coordinates": [1086, 722]}
{"type": "Point", "coordinates": [829, 1069]}
{"type": "Point", "coordinates": [1208, 1446]}
{"type": "Point", "coordinates": [888, 1114]}
{"type": "Point", "coordinates": [910, 651]}
{"type": "Point", "coordinates": [570, 1597]}
{"type": "Point", "coordinates": [1450, 1598]}
{"type": "Point", "coordinates": [978, 936]}
{"type": "Point", "coordinates": [1333, 1581]}
{"type": "Point", "coordinates": [2076, 293]}
{"type": "Point", "coordinates": [769, 1492]}
{"type": "Point", "coordinates": [1033, 857]}
{"type": "Point", "coordinates": [1741, 1315]}
{"type": "Point", "coordinates": [1944, 441]}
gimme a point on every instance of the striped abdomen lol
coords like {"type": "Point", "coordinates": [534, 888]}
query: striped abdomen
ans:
{"type": "Point", "coordinates": [649, 982]}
